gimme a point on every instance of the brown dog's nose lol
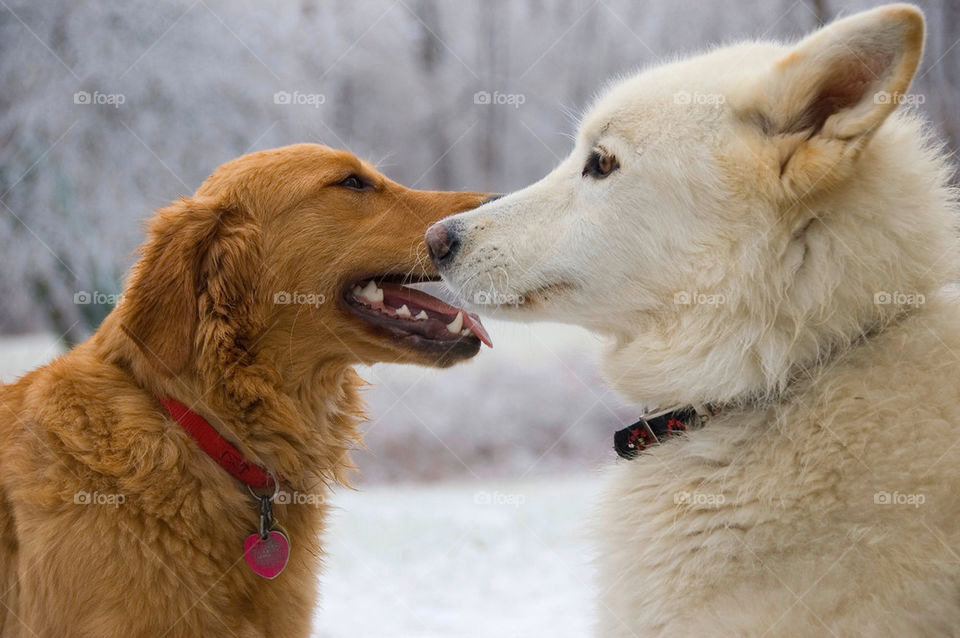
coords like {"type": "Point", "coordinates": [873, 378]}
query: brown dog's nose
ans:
{"type": "Point", "coordinates": [442, 243]}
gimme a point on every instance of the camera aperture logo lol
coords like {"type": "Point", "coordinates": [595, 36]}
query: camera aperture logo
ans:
{"type": "Point", "coordinates": [694, 298]}
{"type": "Point", "coordinates": [912, 99]}
{"type": "Point", "coordinates": [97, 98]}
{"type": "Point", "coordinates": [296, 98]}
{"type": "Point", "coordinates": [702, 499]}
{"type": "Point", "coordinates": [98, 498]}
{"type": "Point", "coordinates": [285, 298]}
{"type": "Point", "coordinates": [96, 298]}
{"type": "Point", "coordinates": [493, 298]}
{"type": "Point", "coordinates": [708, 99]}
{"type": "Point", "coordinates": [896, 498]}
{"type": "Point", "coordinates": [897, 298]}
{"type": "Point", "coordinates": [516, 100]}
{"type": "Point", "coordinates": [298, 498]}
{"type": "Point", "coordinates": [509, 499]}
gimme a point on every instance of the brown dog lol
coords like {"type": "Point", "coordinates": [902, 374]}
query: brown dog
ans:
{"type": "Point", "coordinates": [249, 304]}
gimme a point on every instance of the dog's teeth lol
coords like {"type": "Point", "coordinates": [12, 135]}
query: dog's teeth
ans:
{"type": "Point", "coordinates": [422, 316]}
{"type": "Point", "coordinates": [371, 292]}
{"type": "Point", "coordinates": [403, 311]}
{"type": "Point", "coordinates": [466, 332]}
{"type": "Point", "coordinates": [357, 291]}
{"type": "Point", "coordinates": [456, 325]}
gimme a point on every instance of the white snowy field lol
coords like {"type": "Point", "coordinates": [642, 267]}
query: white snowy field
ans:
{"type": "Point", "coordinates": [21, 354]}
{"type": "Point", "coordinates": [477, 560]}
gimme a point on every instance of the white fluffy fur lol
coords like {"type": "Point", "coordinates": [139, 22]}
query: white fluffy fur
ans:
{"type": "Point", "coordinates": [784, 198]}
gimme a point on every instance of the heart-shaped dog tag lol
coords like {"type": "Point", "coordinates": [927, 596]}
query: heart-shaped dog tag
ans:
{"type": "Point", "coordinates": [267, 556]}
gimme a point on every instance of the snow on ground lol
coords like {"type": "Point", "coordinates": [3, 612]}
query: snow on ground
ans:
{"type": "Point", "coordinates": [477, 560]}
{"type": "Point", "coordinates": [23, 353]}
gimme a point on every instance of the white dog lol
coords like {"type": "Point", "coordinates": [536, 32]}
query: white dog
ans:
{"type": "Point", "coordinates": [764, 230]}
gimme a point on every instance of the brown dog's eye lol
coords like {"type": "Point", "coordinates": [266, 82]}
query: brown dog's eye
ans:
{"type": "Point", "coordinates": [600, 165]}
{"type": "Point", "coordinates": [355, 183]}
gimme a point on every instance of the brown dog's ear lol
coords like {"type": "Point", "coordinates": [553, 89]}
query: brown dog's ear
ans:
{"type": "Point", "coordinates": [836, 87]}
{"type": "Point", "coordinates": [160, 308]}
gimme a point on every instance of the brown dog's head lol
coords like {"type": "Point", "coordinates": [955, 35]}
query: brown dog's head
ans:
{"type": "Point", "coordinates": [296, 254]}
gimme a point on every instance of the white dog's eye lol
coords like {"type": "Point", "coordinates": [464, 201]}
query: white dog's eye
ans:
{"type": "Point", "coordinates": [600, 165]}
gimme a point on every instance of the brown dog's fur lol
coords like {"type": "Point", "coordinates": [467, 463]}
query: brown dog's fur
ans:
{"type": "Point", "coordinates": [198, 322]}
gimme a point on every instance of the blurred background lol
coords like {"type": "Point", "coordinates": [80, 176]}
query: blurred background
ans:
{"type": "Point", "coordinates": [110, 110]}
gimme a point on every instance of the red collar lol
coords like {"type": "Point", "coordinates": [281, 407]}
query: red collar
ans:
{"type": "Point", "coordinates": [217, 447]}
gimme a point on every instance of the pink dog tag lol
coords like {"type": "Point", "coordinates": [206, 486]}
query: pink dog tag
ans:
{"type": "Point", "coordinates": [267, 557]}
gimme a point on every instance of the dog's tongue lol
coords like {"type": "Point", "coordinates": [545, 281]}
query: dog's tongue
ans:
{"type": "Point", "coordinates": [472, 321]}
{"type": "Point", "coordinates": [396, 295]}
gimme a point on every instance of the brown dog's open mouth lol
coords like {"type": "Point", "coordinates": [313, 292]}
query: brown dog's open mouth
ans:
{"type": "Point", "coordinates": [407, 312]}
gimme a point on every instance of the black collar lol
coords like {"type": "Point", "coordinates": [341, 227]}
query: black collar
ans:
{"type": "Point", "coordinates": [652, 430]}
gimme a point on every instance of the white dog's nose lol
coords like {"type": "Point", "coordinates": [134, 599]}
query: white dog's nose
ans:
{"type": "Point", "coordinates": [443, 238]}
{"type": "Point", "coordinates": [442, 243]}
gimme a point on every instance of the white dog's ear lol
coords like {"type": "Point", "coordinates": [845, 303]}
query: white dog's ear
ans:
{"type": "Point", "coordinates": [833, 90]}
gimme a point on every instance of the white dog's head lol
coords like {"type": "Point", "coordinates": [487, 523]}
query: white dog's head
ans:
{"type": "Point", "coordinates": [729, 218]}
